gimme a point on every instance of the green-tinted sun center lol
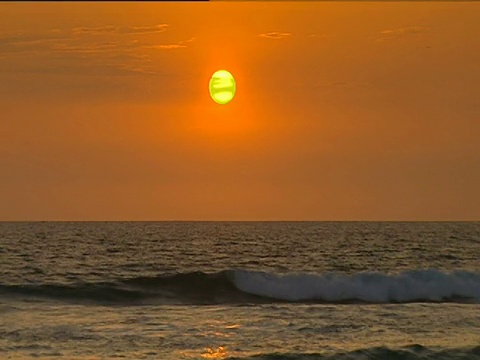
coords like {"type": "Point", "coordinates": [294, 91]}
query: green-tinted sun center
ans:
{"type": "Point", "coordinates": [222, 87]}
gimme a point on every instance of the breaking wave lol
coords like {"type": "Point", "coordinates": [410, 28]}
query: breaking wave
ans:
{"type": "Point", "coordinates": [245, 287]}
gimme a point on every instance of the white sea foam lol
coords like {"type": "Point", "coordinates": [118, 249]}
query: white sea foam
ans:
{"type": "Point", "coordinates": [426, 285]}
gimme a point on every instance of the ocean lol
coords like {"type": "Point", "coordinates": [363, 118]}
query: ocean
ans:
{"type": "Point", "coordinates": [240, 290]}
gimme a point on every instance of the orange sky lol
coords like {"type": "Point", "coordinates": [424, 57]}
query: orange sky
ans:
{"type": "Point", "coordinates": [343, 111]}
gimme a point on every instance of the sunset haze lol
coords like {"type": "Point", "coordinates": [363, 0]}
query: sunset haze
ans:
{"type": "Point", "coordinates": [342, 111]}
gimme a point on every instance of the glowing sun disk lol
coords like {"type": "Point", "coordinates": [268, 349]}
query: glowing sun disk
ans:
{"type": "Point", "coordinates": [222, 87]}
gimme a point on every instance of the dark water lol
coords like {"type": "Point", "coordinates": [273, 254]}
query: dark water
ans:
{"type": "Point", "coordinates": [195, 290]}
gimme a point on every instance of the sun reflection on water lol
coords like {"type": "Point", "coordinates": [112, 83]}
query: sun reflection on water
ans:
{"type": "Point", "coordinates": [218, 353]}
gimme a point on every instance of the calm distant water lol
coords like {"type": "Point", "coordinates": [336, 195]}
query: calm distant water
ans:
{"type": "Point", "coordinates": [218, 290]}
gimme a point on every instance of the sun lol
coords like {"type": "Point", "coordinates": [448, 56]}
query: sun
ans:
{"type": "Point", "coordinates": [222, 87]}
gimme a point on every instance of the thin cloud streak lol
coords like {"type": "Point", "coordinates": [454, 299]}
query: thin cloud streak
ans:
{"type": "Point", "coordinates": [166, 47]}
{"type": "Point", "coordinates": [116, 30]}
{"type": "Point", "coordinates": [275, 35]}
{"type": "Point", "coordinates": [392, 34]}
{"type": "Point", "coordinates": [179, 45]}
{"type": "Point", "coordinates": [100, 48]}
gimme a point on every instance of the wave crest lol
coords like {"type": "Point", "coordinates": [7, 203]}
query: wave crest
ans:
{"type": "Point", "coordinates": [414, 285]}
{"type": "Point", "coordinates": [413, 352]}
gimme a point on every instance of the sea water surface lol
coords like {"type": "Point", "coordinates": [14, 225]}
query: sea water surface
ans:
{"type": "Point", "coordinates": [240, 290]}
